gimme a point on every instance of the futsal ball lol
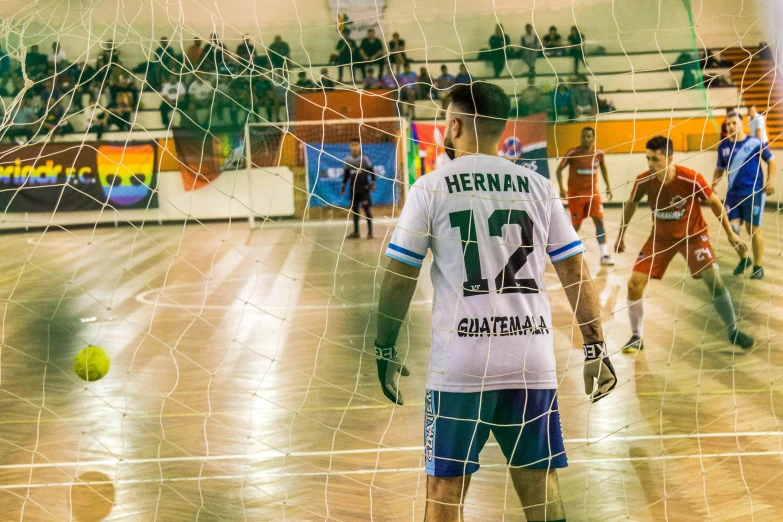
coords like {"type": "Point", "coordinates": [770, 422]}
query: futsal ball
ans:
{"type": "Point", "coordinates": [91, 363]}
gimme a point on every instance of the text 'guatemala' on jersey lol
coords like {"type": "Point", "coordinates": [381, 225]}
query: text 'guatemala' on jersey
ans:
{"type": "Point", "coordinates": [491, 225]}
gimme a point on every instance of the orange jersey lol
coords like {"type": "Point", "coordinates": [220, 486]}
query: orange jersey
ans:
{"type": "Point", "coordinates": [583, 168]}
{"type": "Point", "coordinates": [675, 204]}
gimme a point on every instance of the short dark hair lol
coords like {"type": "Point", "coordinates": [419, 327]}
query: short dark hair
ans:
{"type": "Point", "coordinates": [589, 129]}
{"type": "Point", "coordinates": [661, 143]}
{"type": "Point", "coordinates": [444, 66]}
{"type": "Point", "coordinates": [355, 140]}
{"type": "Point", "coordinates": [487, 102]}
{"type": "Point", "coordinates": [734, 114]}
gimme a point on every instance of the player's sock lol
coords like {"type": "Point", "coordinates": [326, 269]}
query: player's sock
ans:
{"type": "Point", "coordinates": [636, 314]}
{"type": "Point", "coordinates": [725, 309]}
{"type": "Point", "coordinates": [356, 223]}
{"type": "Point", "coordinates": [604, 249]}
{"type": "Point", "coordinates": [368, 212]}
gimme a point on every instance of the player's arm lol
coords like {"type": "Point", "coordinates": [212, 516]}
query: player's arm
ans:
{"type": "Point", "coordinates": [605, 175]}
{"type": "Point", "coordinates": [716, 176]}
{"type": "Point", "coordinates": [772, 166]}
{"type": "Point", "coordinates": [599, 374]}
{"type": "Point", "coordinates": [717, 208]}
{"type": "Point", "coordinates": [629, 209]}
{"type": "Point", "coordinates": [346, 175]}
{"type": "Point", "coordinates": [371, 170]}
{"type": "Point", "coordinates": [559, 176]}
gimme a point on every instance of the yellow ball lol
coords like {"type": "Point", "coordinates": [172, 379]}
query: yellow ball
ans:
{"type": "Point", "coordinates": [91, 363]}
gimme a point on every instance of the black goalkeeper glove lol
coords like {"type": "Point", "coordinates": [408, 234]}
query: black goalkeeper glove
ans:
{"type": "Point", "coordinates": [389, 365]}
{"type": "Point", "coordinates": [599, 374]}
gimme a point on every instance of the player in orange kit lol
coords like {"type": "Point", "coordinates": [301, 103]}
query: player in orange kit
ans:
{"type": "Point", "coordinates": [583, 197]}
{"type": "Point", "coordinates": [674, 194]}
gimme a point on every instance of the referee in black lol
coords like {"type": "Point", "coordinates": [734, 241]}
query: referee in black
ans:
{"type": "Point", "coordinates": [360, 175]}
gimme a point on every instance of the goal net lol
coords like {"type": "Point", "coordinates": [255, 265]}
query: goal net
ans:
{"type": "Point", "coordinates": [192, 188]}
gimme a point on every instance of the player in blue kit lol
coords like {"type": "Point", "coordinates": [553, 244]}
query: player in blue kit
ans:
{"type": "Point", "coordinates": [739, 155]}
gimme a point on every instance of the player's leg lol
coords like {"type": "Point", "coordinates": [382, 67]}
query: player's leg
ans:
{"type": "Point", "coordinates": [734, 213]}
{"type": "Point", "coordinates": [539, 493]}
{"type": "Point", "coordinates": [367, 207]}
{"type": "Point", "coordinates": [355, 203]}
{"type": "Point", "coordinates": [702, 262]}
{"type": "Point", "coordinates": [578, 208]}
{"type": "Point", "coordinates": [445, 498]}
{"type": "Point", "coordinates": [597, 213]}
{"type": "Point", "coordinates": [526, 425]}
{"type": "Point", "coordinates": [454, 435]}
{"type": "Point", "coordinates": [753, 211]}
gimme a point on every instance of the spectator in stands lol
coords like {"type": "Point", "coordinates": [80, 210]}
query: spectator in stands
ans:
{"type": "Point", "coordinates": [690, 69]}
{"type": "Point", "coordinates": [324, 82]}
{"type": "Point", "coordinates": [195, 53]}
{"type": "Point", "coordinates": [498, 44]}
{"type": "Point", "coordinates": [35, 62]}
{"type": "Point", "coordinates": [246, 53]}
{"type": "Point", "coordinates": [124, 85]}
{"type": "Point", "coordinates": [553, 43]}
{"type": "Point", "coordinates": [266, 97]}
{"type": "Point", "coordinates": [303, 83]}
{"type": "Point", "coordinates": [345, 53]}
{"type": "Point", "coordinates": [463, 76]}
{"type": "Point", "coordinates": [164, 62]}
{"type": "Point", "coordinates": [110, 53]}
{"type": "Point", "coordinates": [758, 127]}
{"type": "Point", "coordinates": [764, 52]}
{"type": "Point", "coordinates": [531, 48]}
{"type": "Point", "coordinates": [173, 93]}
{"type": "Point", "coordinates": [583, 99]}
{"type": "Point", "coordinates": [121, 112]}
{"type": "Point", "coordinates": [200, 92]}
{"type": "Point", "coordinates": [57, 57]}
{"type": "Point", "coordinates": [424, 88]}
{"type": "Point", "coordinates": [562, 102]}
{"type": "Point", "coordinates": [397, 56]}
{"type": "Point", "coordinates": [531, 100]}
{"type": "Point", "coordinates": [96, 118]}
{"type": "Point", "coordinates": [279, 53]}
{"type": "Point", "coordinates": [223, 106]}
{"type": "Point", "coordinates": [239, 90]}
{"type": "Point", "coordinates": [371, 81]}
{"type": "Point", "coordinates": [576, 47]}
{"type": "Point", "coordinates": [407, 81]}
{"type": "Point", "coordinates": [23, 120]}
{"type": "Point", "coordinates": [214, 54]}
{"type": "Point", "coordinates": [371, 52]}
{"type": "Point", "coordinates": [443, 84]}
{"type": "Point", "coordinates": [388, 80]}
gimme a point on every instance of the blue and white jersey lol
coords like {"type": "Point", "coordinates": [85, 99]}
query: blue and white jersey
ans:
{"type": "Point", "coordinates": [491, 225]}
{"type": "Point", "coordinates": [741, 161]}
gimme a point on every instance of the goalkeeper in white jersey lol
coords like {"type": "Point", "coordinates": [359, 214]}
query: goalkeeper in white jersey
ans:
{"type": "Point", "coordinates": [490, 225]}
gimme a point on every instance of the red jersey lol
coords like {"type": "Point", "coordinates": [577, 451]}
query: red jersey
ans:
{"type": "Point", "coordinates": [675, 204]}
{"type": "Point", "coordinates": [583, 168]}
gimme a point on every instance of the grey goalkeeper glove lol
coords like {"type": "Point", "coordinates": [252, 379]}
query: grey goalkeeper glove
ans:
{"type": "Point", "coordinates": [599, 374]}
{"type": "Point", "coordinates": [389, 366]}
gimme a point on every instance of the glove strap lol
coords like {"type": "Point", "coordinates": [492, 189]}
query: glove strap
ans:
{"type": "Point", "coordinates": [385, 352]}
{"type": "Point", "coordinates": [593, 350]}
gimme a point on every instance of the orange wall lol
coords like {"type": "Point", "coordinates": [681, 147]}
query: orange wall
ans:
{"type": "Point", "coordinates": [616, 137]}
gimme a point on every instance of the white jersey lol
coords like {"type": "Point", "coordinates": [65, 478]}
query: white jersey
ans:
{"type": "Point", "coordinates": [490, 225]}
{"type": "Point", "coordinates": [756, 124]}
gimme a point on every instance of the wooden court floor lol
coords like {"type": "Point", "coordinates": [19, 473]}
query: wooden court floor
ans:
{"type": "Point", "coordinates": [239, 388]}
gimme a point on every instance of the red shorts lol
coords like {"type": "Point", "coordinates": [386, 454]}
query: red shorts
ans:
{"type": "Point", "coordinates": [581, 207]}
{"type": "Point", "coordinates": [655, 256]}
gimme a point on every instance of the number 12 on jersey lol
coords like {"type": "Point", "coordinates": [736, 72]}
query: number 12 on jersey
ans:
{"type": "Point", "coordinates": [506, 281]}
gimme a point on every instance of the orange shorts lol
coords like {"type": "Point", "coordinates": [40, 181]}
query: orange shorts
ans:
{"type": "Point", "coordinates": [655, 256]}
{"type": "Point", "coordinates": [581, 207]}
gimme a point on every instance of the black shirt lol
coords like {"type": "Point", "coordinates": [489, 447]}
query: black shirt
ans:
{"type": "Point", "coordinates": [370, 48]}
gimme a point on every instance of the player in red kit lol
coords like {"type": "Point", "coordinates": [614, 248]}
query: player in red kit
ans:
{"type": "Point", "coordinates": [674, 194]}
{"type": "Point", "coordinates": [583, 197]}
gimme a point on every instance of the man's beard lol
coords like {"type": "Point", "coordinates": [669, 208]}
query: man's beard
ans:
{"type": "Point", "coordinates": [449, 146]}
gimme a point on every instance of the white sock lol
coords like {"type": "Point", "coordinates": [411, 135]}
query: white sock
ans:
{"type": "Point", "coordinates": [604, 249]}
{"type": "Point", "coordinates": [636, 314]}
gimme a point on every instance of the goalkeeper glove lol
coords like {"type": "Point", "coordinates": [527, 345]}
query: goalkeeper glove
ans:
{"type": "Point", "coordinates": [599, 374]}
{"type": "Point", "coordinates": [389, 365]}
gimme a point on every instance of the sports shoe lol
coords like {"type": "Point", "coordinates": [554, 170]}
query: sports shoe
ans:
{"type": "Point", "coordinates": [370, 236]}
{"type": "Point", "coordinates": [757, 273]}
{"type": "Point", "coordinates": [743, 265]}
{"type": "Point", "coordinates": [634, 345]}
{"type": "Point", "coordinates": [355, 235]}
{"type": "Point", "coordinates": [741, 339]}
{"type": "Point", "coordinates": [607, 261]}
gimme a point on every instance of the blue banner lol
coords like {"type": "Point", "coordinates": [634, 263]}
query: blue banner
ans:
{"type": "Point", "coordinates": [325, 173]}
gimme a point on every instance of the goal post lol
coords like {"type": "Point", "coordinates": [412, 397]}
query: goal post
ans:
{"type": "Point", "coordinates": [315, 153]}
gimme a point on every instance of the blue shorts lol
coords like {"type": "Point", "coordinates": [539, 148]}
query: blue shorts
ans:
{"type": "Point", "coordinates": [526, 424]}
{"type": "Point", "coordinates": [747, 207]}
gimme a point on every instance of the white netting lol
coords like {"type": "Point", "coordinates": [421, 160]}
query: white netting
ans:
{"type": "Point", "coordinates": [240, 319]}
